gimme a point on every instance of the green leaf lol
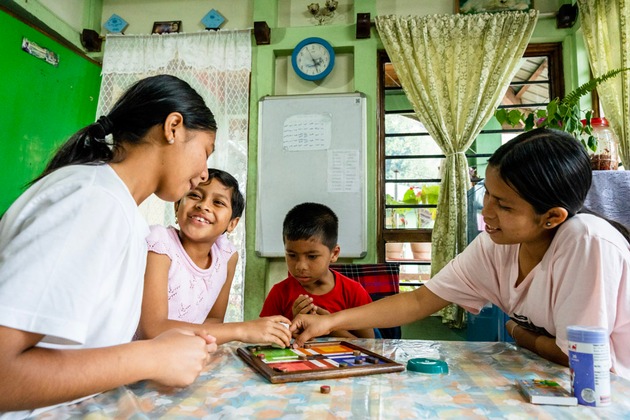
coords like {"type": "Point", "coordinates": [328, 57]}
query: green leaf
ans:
{"type": "Point", "coordinates": [501, 115]}
{"type": "Point", "coordinates": [529, 122]}
{"type": "Point", "coordinates": [592, 143]}
{"type": "Point", "coordinates": [514, 117]}
{"type": "Point", "coordinates": [574, 97]}
{"type": "Point", "coordinates": [410, 197]}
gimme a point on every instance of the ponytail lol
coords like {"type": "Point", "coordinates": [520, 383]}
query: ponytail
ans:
{"type": "Point", "coordinates": [144, 105]}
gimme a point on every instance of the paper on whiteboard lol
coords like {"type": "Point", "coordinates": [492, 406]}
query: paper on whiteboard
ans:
{"type": "Point", "coordinates": [307, 132]}
{"type": "Point", "coordinates": [343, 171]}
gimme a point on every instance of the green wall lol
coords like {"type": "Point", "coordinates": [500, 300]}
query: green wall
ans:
{"type": "Point", "coordinates": [42, 105]}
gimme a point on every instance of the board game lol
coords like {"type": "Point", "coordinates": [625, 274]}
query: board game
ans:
{"type": "Point", "coordinates": [315, 360]}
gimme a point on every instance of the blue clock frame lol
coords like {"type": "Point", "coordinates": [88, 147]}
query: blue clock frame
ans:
{"type": "Point", "coordinates": [303, 43]}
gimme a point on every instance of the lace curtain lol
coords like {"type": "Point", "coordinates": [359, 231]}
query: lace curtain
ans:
{"type": "Point", "coordinates": [218, 66]}
{"type": "Point", "coordinates": [606, 33]}
{"type": "Point", "coordinates": [455, 69]}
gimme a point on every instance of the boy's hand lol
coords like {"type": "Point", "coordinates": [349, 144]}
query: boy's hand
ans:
{"type": "Point", "coordinates": [303, 305]}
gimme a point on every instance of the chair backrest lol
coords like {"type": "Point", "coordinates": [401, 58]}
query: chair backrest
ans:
{"type": "Point", "coordinates": [379, 280]}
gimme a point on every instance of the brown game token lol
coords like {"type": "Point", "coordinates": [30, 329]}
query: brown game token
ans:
{"type": "Point", "coordinates": [356, 353]}
{"type": "Point", "coordinates": [302, 357]}
{"type": "Point", "coordinates": [324, 389]}
{"type": "Point", "coordinates": [307, 346]}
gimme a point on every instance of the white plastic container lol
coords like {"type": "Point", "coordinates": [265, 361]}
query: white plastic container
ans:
{"type": "Point", "coordinates": [589, 360]}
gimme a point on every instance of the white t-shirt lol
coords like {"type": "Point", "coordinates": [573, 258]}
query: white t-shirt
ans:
{"type": "Point", "coordinates": [581, 280]}
{"type": "Point", "coordinates": [72, 259]}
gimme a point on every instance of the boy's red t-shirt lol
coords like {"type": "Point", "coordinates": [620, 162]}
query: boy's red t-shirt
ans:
{"type": "Point", "coordinates": [347, 293]}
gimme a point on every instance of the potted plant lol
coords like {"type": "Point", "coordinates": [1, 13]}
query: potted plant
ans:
{"type": "Point", "coordinates": [562, 114]}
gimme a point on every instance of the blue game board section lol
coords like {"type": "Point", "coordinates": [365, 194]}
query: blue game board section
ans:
{"type": "Point", "coordinates": [213, 19]}
{"type": "Point", "coordinates": [115, 24]}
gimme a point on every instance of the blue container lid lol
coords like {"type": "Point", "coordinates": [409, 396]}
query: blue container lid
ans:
{"type": "Point", "coordinates": [591, 335]}
{"type": "Point", "coordinates": [424, 365]}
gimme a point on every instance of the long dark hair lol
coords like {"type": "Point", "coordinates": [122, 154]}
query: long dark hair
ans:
{"type": "Point", "coordinates": [144, 105]}
{"type": "Point", "coordinates": [548, 168]}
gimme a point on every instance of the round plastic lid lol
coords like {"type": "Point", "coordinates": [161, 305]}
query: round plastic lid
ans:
{"type": "Point", "coordinates": [424, 365]}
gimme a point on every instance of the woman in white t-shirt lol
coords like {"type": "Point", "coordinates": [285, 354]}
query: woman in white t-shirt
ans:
{"type": "Point", "coordinates": [73, 253]}
{"type": "Point", "coordinates": [538, 260]}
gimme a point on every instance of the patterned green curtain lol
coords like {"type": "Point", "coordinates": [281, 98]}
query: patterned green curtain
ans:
{"type": "Point", "coordinates": [455, 70]}
{"type": "Point", "coordinates": [606, 32]}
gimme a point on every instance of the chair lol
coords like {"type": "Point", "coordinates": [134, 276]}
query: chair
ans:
{"type": "Point", "coordinates": [379, 280]}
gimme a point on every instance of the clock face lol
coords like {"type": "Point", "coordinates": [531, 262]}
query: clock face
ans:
{"type": "Point", "coordinates": [313, 59]}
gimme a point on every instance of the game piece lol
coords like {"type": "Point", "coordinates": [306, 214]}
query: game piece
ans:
{"type": "Point", "coordinates": [324, 389]}
{"type": "Point", "coordinates": [261, 355]}
{"type": "Point", "coordinates": [316, 360]}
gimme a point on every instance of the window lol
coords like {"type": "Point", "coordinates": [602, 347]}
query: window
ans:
{"type": "Point", "coordinates": [409, 159]}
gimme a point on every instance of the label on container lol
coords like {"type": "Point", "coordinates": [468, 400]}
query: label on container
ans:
{"type": "Point", "coordinates": [590, 373]}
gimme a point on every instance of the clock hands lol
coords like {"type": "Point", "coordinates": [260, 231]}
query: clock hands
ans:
{"type": "Point", "coordinates": [315, 62]}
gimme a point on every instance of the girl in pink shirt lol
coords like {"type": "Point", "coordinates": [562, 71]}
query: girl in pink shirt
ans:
{"type": "Point", "coordinates": [538, 260]}
{"type": "Point", "coordinates": [189, 271]}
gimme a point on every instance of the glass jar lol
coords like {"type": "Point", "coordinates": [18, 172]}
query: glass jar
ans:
{"type": "Point", "coordinates": [606, 157]}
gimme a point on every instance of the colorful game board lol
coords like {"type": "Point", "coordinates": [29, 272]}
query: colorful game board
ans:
{"type": "Point", "coordinates": [316, 360]}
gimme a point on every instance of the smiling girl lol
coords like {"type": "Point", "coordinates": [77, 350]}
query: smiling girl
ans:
{"type": "Point", "coordinates": [538, 260]}
{"type": "Point", "coordinates": [190, 270]}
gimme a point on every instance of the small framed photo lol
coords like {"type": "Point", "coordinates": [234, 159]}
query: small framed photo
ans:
{"type": "Point", "coordinates": [491, 6]}
{"type": "Point", "coordinates": [168, 27]}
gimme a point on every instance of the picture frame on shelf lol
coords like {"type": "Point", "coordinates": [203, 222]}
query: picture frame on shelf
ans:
{"type": "Point", "coordinates": [167, 27]}
{"type": "Point", "coordinates": [492, 6]}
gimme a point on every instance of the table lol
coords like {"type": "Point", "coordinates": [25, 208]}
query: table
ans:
{"type": "Point", "coordinates": [478, 385]}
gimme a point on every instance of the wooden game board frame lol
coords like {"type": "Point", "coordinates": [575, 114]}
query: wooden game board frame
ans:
{"type": "Point", "coordinates": [385, 365]}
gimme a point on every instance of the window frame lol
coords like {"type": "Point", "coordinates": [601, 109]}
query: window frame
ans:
{"type": "Point", "coordinates": [553, 52]}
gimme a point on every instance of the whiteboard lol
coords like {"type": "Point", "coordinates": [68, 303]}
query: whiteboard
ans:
{"type": "Point", "coordinates": [312, 148]}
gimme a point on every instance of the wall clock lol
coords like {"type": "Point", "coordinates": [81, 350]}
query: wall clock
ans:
{"type": "Point", "coordinates": [313, 58]}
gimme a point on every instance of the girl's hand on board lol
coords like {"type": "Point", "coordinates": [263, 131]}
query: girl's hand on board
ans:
{"type": "Point", "coordinates": [268, 330]}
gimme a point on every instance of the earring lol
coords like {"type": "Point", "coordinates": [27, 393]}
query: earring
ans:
{"type": "Point", "coordinates": [548, 224]}
{"type": "Point", "coordinates": [176, 221]}
{"type": "Point", "coordinates": [171, 140]}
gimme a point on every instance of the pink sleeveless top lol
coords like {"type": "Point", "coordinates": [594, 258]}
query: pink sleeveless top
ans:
{"type": "Point", "coordinates": [192, 291]}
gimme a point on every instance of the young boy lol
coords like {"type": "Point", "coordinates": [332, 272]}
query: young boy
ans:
{"type": "Point", "coordinates": [189, 271]}
{"type": "Point", "coordinates": [309, 233]}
